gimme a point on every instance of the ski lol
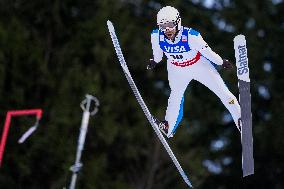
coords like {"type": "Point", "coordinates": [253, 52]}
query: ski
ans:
{"type": "Point", "coordinates": [245, 103]}
{"type": "Point", "coordinates": [142, 103]}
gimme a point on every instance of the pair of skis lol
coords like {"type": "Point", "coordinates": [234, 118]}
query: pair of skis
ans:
{"type": "Point", "coordinates": [244, 98]}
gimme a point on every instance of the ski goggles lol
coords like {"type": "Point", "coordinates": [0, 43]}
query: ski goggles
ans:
{"type": "Point", "coordinates": [168, 25]}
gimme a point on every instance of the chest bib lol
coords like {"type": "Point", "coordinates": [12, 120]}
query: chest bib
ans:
{"type": "Point", "coordinates": [179, 53]}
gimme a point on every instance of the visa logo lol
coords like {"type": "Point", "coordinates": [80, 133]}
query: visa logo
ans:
{"type": "Point", "coordinates": [176, 49]}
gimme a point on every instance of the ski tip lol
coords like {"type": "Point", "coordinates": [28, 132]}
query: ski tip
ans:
{"type": "Point", "coordinates": [239, 37]}
{"type": "Point", "coordinates": [109, 24]}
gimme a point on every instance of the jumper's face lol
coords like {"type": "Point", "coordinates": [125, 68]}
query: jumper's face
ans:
{"type": "Point", "coordinates": [170, 34]}
{"type": "Point", "coordinates": [169, 29]}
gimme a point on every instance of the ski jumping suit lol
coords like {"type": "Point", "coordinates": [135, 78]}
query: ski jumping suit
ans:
{"type": "Point", "coordinates": [189, 57]}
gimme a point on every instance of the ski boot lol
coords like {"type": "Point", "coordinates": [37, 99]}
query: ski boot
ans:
{"type": "Point", "coordinates": [240, 125]}
{"type": "Point", "coordinates": [163, 126]}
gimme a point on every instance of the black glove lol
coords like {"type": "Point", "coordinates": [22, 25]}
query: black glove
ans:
{"type": "Point", "coordinates": [151, 65]}
{"type": "Point", "coordinates": [227, 64]}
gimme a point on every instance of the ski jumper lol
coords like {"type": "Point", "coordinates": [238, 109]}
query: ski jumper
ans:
{"type": "Point", "coordinates": [189, 58]}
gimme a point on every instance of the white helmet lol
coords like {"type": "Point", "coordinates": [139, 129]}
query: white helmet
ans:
{"type": "Point", "coordinates": [169, 14]}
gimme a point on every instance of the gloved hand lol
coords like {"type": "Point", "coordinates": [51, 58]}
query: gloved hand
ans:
{"type": "Point", "coordinates": [227, 64]}
{"type": "Point", "coordinates": [151, 65]}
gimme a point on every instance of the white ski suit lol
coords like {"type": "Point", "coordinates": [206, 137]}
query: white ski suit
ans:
{"type": "Point", "coordinates": [188, 58]}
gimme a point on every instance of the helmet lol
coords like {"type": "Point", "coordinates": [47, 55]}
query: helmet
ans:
{"type": "Point", "coordinates": [169, 14]}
